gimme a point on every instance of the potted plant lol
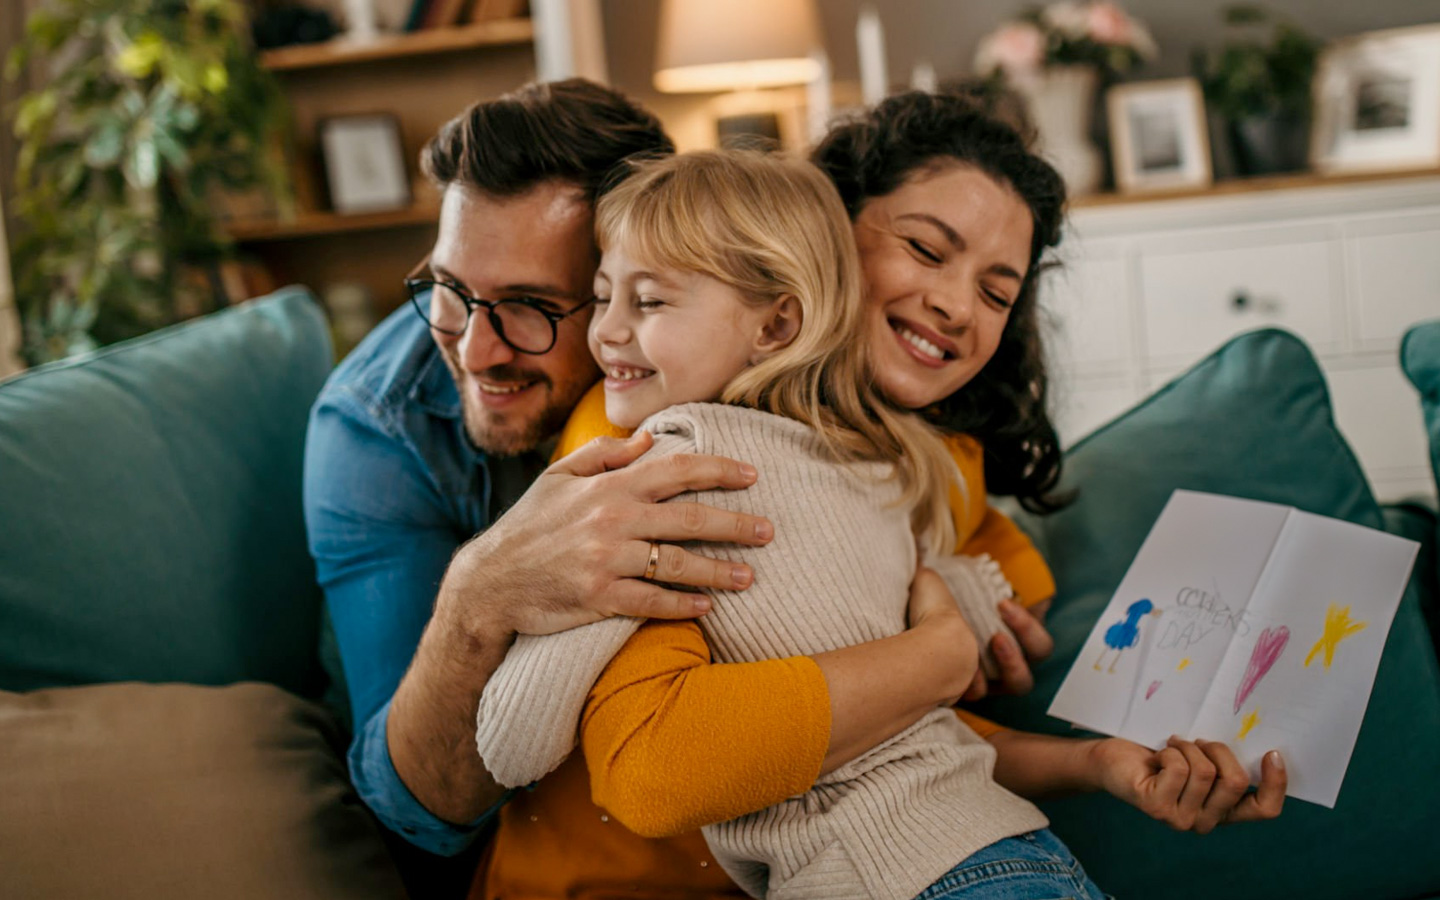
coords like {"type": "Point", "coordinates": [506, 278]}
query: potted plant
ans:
{"type": "Point", "coordinates": [1258, 82]}
{"type": "Point", "coordinates": [1057, 57]}
{"type": "Point", "coordinates": [149, 111]}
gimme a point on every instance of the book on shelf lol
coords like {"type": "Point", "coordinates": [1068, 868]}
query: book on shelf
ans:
{"type": "Point", "coordinates": [487, 10]}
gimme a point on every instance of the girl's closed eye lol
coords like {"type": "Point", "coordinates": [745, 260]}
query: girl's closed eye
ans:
{"type": "Point", "coordinates": [646, 302]}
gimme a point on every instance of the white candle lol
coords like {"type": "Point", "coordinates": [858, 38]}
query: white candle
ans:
{"type": "Point", "coordinates": [360, 20]}
{"type": "Point", "coordinates": [922, 77]}
{"type": "Point", "coordinates": [871, 44]}
{"type": "Point", "coordinates": [817, 98]}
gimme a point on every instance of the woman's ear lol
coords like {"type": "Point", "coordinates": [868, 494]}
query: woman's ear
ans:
{"type": "Point", "coordinates": [778, 330]}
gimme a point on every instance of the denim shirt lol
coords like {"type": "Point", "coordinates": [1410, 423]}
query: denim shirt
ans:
{"type": "Point", "coordinates": [393, 487]}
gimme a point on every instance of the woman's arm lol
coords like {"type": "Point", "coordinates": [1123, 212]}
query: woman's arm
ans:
{"type": "Point", "coordinates": [1188, 785]}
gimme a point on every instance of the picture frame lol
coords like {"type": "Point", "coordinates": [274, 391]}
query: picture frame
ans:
{"type": "Point", "coordinates": [1377, 102]}
{"type": "Point", "coordinates": [1158, 136]}
{"type": "Point", "coordinates": [364, 161]}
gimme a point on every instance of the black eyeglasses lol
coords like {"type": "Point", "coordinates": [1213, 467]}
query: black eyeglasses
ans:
{"type": "Point", "coordinates": [521, 323]}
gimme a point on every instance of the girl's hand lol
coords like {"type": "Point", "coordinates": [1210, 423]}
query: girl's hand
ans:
{"type": "Point", "coordinates": [933, 611]}
{"type": "Point", "coordinates": [1190, 785]}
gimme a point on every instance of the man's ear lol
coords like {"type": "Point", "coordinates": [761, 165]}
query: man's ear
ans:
{"type": "Point", "coordinates": [778, 330]}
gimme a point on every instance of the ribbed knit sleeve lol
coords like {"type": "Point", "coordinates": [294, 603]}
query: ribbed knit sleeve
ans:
{"type": "Point", "coordinates": [663, 719]}
{"type": "Point", "coordinates": [527, 721]}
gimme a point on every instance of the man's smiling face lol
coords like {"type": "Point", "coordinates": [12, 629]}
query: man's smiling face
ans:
{"type": "Point", "coordinates": [538, 245]}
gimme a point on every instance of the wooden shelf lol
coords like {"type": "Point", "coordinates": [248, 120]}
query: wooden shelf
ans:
{"type": "Point", "coordinates": [1252, 185]}
{"type": "Point", "coordinates": [496, 33]}
{"type": "Point", "coordinates": [317, 224]}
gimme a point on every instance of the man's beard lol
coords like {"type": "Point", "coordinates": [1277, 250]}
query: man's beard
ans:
{"type": "Point", "coordinates": [505, 435]}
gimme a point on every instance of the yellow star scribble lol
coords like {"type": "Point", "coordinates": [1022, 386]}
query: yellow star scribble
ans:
{"type": "Point", "coordinates": [1338, 627]}
{"type": "Point", "coordinates": [1183, 663]}
{"type": "Point", "coordinates": [1252, 718]}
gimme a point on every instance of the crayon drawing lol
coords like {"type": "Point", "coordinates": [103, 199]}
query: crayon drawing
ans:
{"type": "Point", "coordinates": [1338, 627]}
{"type": "Point", "coordinates": [1150, 691]}
{"type": "Point", "coordinates": [1252, 718]}
{"type": "Point", "coordinates": [1124, 634]}
{"type": "Point", "coordinates": [1267, 649]}
{"type": "Point", "coordinates": [1183, 664]}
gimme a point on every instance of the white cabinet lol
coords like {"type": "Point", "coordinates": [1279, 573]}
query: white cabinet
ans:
{"type": "Point", "coordinates": [1147, 288]}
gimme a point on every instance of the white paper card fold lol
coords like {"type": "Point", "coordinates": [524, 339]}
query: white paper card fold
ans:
{"type": "Point", "coordinates": [1251, 623]}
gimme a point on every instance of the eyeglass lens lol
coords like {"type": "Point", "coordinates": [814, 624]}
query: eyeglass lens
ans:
{"type": "Point", "coordinates": [522, 326]}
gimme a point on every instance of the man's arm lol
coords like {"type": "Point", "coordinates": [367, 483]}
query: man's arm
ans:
{"type": "Point", "coordinates": [382, 539]}
{"type": "Point", "coordinates": [571, 551]}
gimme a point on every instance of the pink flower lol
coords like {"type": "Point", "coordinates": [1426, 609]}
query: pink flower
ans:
{"type": "Point", "coordinates": [1016, 47]}
{"type": "Point", "coordinates": [1109, 24]}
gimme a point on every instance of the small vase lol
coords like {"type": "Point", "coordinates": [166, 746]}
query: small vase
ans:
{"type": "Point", "coordinates": [1061, 102]}
{"type": "Point", "coordinates": [1264, 145]}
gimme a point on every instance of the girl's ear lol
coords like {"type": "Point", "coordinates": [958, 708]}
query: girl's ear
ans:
{"type": "Point", "coordinates": [778, 330]}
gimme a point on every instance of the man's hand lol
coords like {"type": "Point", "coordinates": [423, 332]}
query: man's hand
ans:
{"type": "Point", "coordinates": [1190, 785]}
{"type": "Point", "coordinates": [574, 548]}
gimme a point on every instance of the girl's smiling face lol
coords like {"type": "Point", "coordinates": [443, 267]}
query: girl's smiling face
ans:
{"type": "Point", "coordinates": [944, 256]}
{"type": "Point", "coordinates": [664, 336]}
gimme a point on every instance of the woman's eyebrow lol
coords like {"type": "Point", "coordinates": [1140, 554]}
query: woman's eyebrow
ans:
{"type": "Point", "coordinates": [942, 226]}
{"type": "Point", "coordinates": [957, 241]}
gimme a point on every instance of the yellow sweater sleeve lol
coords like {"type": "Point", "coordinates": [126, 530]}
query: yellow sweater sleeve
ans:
{"type": "Point", "coordinates": [673, 742]}
{"type": "Point", "coordinates": [983, 529]}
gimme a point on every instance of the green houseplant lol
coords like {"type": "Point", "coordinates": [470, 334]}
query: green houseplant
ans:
{"type": "Point", "coordinates": [1258, 81]}
{"type": "Point", "coordinates": [149, 112]}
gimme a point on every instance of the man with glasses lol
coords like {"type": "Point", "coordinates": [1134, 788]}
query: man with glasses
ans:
{"type": "Point", "coordinates": [441, 421]}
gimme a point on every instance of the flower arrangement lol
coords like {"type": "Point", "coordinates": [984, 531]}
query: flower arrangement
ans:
{"type": "Point", "coordinates": [1095, 33]}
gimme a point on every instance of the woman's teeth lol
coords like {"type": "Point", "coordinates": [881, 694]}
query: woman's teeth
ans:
{"type": "Point", "coordinates": [919, 343]}
{"type": "Point", "coordinates": [624, 374]}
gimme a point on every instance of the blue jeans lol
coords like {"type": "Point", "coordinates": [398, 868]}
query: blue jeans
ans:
{"type": "Point", "coordinates": [1034, 866]}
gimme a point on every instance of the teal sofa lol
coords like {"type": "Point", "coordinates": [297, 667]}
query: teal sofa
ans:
{"type": "Point", "coordinates": [170, 718]}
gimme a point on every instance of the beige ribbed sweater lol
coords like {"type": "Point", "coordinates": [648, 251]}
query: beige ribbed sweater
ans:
{"type": "Point", "coordinates": [885, 825]}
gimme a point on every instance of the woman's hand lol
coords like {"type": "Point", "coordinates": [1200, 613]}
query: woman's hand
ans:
{"type": "Point", "coordinates": [1013, 655]}
{"type": "Point", "coordinates": [1189, 785]}
{"type": "Point", "coordinates": [932, 610]}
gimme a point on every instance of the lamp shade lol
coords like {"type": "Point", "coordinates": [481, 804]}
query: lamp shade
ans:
{"type": "Point", "coordinates": [721, 46]}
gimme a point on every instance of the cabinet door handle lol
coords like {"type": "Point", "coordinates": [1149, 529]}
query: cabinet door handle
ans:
{"type": "Point", "coordinates": [1240, 301]}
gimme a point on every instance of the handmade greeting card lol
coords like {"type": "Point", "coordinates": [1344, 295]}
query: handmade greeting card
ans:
{"type": "Point", "coordinates": [1251, 623]}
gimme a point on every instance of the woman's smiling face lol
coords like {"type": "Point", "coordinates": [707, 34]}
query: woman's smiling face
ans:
{"type": "Point", "coordinates": [944, 256]}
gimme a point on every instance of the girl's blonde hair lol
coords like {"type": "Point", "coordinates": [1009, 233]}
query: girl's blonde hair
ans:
{"type": "Point", "coordinates": [772, 226]}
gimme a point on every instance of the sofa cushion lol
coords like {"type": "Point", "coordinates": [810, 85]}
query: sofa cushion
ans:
{"type": "Point", "coordinates": [144, 791]}
{"type": "Point", "coordinates": [1252, 420]}
{"type": "Point", "coordinates": [151, 527]}
{"type": "Point", "coordinates": [1420, 358]}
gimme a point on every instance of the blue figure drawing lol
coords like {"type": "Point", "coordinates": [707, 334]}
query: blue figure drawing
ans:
{"type": "Point", "coordinates": [1123, 634]}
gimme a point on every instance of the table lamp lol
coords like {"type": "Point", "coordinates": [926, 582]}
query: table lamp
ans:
{"type": "Point", "coordinates": [706, 46]}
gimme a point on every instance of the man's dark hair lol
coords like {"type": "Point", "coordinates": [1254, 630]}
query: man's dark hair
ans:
{"type": "Point", "coordinates": [573, 130]}
{"type": "Point", "coordinates": [1004, 406]}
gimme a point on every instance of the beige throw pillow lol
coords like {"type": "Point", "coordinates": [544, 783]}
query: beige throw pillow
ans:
{"type": "Point", "coordinates": [160, 791]}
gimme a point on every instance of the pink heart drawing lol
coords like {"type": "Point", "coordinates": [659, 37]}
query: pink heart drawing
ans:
{"type": "Point", "coordinates": [1150, 692]}
{"type": "Point", "coordinates": [1267, 651]}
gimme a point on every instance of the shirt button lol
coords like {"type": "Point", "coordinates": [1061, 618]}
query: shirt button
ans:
{"type": "Point", "coordinates": [704, 864]}
{"type": "Point", "coordinates": [534, 818]}
{"type": "Point", "coordinates": [604, 818]}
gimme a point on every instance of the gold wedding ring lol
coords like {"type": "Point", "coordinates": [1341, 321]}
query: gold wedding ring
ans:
{"type": "Point", "coordinates": [654, 562]}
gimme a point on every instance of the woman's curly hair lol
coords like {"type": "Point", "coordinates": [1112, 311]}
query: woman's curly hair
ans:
{"type": "Point", "coordinates": [1004, 406]}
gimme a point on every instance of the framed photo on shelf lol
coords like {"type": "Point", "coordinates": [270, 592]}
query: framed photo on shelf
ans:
{"type": "Point", "coordinates": [1157, 135]}
{"type": "Point", "coordinates": [364, 162]}
{"type": "Point", "coordinates": [1377, 102]}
